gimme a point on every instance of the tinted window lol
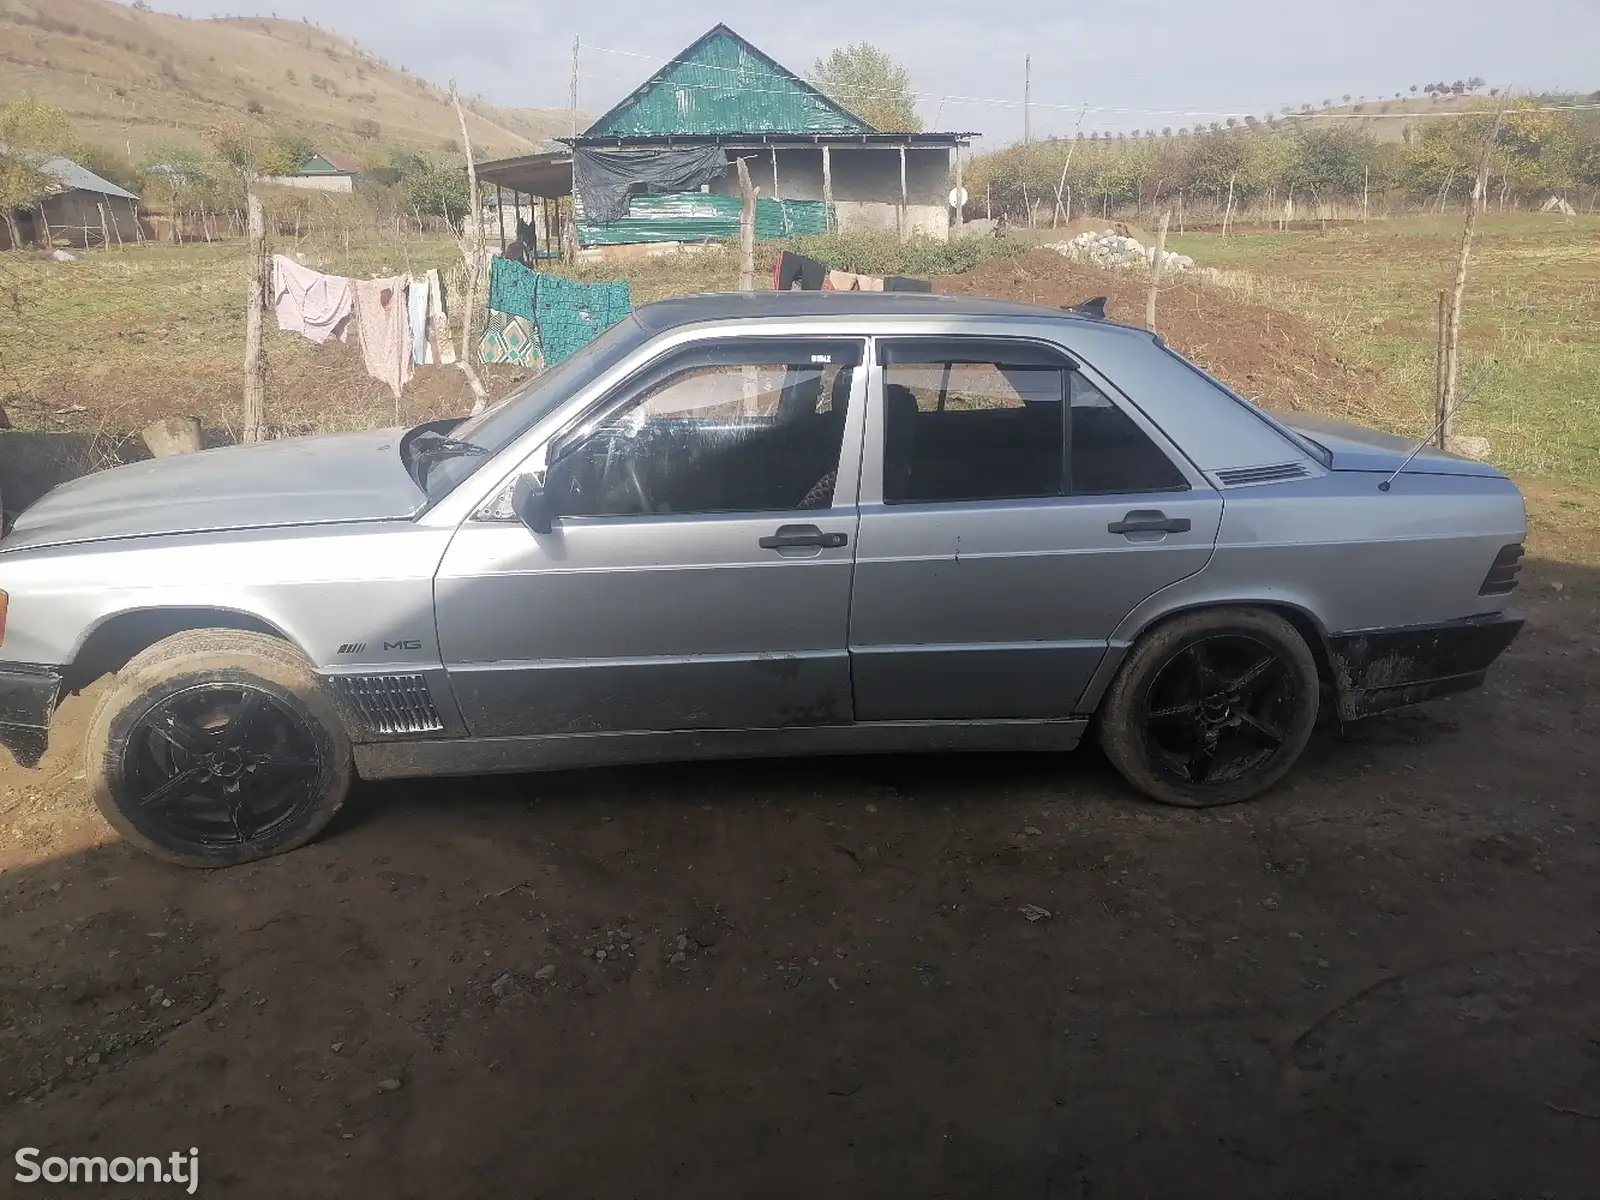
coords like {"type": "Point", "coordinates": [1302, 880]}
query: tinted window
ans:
{"type": "Point", "coordinates": [981, 420]}
{"type": "Point", "coordinates": [978, 424]}
{"type": "Point", "coordinates": [756, 427]}
{"type": "Point", "coordinates": [1109, 452]}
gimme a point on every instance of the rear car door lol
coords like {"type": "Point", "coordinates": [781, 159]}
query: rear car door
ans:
{"type": "Point", "coordinates": [697, 575]}
{"type": "Point", "coordinates": [1012, 513]}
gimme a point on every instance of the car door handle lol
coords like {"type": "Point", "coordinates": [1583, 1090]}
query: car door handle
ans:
{"type": "Point", "coordinates": [797, 537]}
{"type": "Point", "coordinates": [1149, 520]}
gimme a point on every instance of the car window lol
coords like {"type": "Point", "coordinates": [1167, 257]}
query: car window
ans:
{"type": "Point", "coordinates": [498, 426]}
{"type": "Point", "coordinates": [755, 426]}
{"type": "Point", "coordinates": [1110, 453]}
{"type": "Point", "coordinates": [980, 421]}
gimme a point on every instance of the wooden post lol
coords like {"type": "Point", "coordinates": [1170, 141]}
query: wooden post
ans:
{"type": "Point", "coordinates": [1155, 273]}
{"type": "Point", "coordinates": [1227, 216]}
{"type": "Point", "coordinates": [827, 187]}
{"type": "Point", "coordinates": [500, 210]}
{"type": "Point", "coordinates": [961, 209]}
{"type": "Point", "coordinates": [1441, 324]}
{"type": "Point", "coordinates": [1480, 186]}
{"type": "Point", "coordinates": [1061, 185]}
{"type": "Point", "coordinates": [904, 215]}
{"type": "Point", "coordinates": [775, 192]}
{"type": "Point", "coordinates": [1027, 98]}
{"type": "Point", "coordinates": [105, 234]}
{"type": "Point", "coordinates": [472, 253]}
{"type": "Point", "coordinates": [255, 363]}
{"type": "Point", "coordinates": [747, 229]}
{"type": "Point", "coordinates": [1026, 205]}
{"type": "Point", "coordinates": [988, 208]}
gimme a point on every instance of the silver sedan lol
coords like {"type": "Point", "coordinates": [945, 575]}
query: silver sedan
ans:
{"type": "Point", "coordinates": [743, 525]}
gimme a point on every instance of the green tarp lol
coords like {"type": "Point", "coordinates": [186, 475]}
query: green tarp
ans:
{"type": "Point", "coordinates": [701, 217]}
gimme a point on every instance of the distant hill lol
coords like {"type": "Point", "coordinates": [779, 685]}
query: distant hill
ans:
{"type": "Point", "coordinates": [128, 78]}
{"type": "Point", "coordinates": [1386, 119]}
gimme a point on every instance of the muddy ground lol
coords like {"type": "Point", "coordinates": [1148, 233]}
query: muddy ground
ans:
{"type": "Point", "coordinates": [1383, 980]}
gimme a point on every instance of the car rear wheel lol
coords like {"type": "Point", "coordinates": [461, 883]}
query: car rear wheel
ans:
{"type": "Point", "coordinates": [1211, 708]}
{"type": "Point", "coordinates": [217, 747]}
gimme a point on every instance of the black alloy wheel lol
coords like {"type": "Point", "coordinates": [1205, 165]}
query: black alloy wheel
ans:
{"type": "Point", "coordinates": [1218, 710]}
{"type": "Point", "coordinates": [216, 747]}
{"type": "Point", "coordinates": [1211, 706]}
{"type": "Point", "coordinates": [219, 765]}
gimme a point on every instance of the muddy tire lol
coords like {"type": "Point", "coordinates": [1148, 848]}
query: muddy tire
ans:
{"type": "Point", "coordinates": [1211, 708]}
{"type": "Point", "coordinates": [217, 747]}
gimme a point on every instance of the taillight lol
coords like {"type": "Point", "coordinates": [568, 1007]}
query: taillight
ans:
{"type": "Point", "coordinates": [1502, 576]}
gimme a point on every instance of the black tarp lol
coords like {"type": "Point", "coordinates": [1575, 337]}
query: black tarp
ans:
{"type": "Point", "coordinates": [602, 179]}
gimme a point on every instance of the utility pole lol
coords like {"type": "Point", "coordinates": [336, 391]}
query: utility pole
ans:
{"type": "Point", "coordinates": [574, 87]}
{"type": "Point", "coordinates": [1027, 98]}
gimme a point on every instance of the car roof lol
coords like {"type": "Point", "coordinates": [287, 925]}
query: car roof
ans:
{"type": "Point", "coordinates": [722, 306]}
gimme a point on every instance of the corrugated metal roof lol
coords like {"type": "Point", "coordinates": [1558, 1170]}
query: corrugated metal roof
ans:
{"type": "Point", "coordinates": [702, 217]}
{"type": "Point", "coordinates": [722, 84]}
{"type": "Point", "coordinates": [71, 175]}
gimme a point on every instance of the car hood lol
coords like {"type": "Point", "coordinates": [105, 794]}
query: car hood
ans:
{"type": "Point", "coordinates": [296, 481]}
{"type": "Point", "coordinates": [1357, 448]}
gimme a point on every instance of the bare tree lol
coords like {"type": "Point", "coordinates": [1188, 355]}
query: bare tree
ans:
{"type": "Point", "coordinates": [1480, 185]}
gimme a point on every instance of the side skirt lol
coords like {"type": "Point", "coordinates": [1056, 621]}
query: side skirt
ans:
{"type": "Point", "coordinates": [555, 752]}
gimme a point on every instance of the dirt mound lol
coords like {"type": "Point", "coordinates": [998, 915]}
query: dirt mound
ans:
{"type": "Point", "coordinates": [1274, 359]}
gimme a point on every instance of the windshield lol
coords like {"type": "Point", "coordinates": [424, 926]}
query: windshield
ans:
{"type": "Point", "coordinates": [501, 424]}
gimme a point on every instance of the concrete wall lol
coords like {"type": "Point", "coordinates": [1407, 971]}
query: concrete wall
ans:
{"type": "Point", "coordinates": [865, 173]}
{"type": "Point", "coordinates": [312, 183]}
{"type": "Point", "coordinates": [916, 220]}
{"type": "Point", "coordinates": [866, 186]}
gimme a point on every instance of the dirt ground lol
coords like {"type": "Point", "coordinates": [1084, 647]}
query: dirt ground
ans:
{"type": "Point", "coordinates": [815, 978]}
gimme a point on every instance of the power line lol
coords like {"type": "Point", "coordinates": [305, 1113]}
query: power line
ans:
{"type": "Point", "coordinates": [1079, 107]}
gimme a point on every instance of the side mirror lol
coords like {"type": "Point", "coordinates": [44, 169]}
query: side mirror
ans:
{"type": "Point", "coordinates": [532, 506]}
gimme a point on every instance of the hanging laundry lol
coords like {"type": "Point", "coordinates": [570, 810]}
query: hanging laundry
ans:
{"type": "Point", "coordinates": [571, 315]}
{"type": "Point", "coordinates": [797, 268]}
{"type": "Point", "coordinates": [417, 316]}
{"type": "Point", "coordinates": [508, 339]}
{"type": "Point", "coordinates": [310, 303]}
{"type": "Point", "coordinates": [845, 281]}
{"type": "Point", "coordinates": [440, 345]}
{"type": "Point", "coordinates": [382, 322]}
{"type": "Point", "coordinates": [513, 288]}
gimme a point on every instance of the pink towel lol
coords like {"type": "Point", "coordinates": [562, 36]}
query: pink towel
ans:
{"type": "Point", "coordinates": [309, 302]}
{"type": "Point", "coordinates": [385, 330]}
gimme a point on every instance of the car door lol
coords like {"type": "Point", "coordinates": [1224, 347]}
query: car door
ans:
{"type": "Point", "coordinates": [1011, 515]}
{"type": "Point", "coordinates": [697, 572]}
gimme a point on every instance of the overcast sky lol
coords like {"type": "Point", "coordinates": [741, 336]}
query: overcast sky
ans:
{"type": "Point", "coordinates": [1127, 59]}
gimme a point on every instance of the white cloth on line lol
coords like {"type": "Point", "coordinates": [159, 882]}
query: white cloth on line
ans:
{"type": "Point", "coordinates": [309, 303]}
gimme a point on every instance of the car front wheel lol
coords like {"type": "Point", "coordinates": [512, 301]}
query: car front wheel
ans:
{"type": "Point", "coordinates": [218, 747]}
{"type": "Point", "coordinates": [1212, 707]}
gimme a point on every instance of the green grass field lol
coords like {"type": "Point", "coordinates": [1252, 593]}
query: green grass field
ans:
{"type": "Point", "coordinates": [1530, 348]}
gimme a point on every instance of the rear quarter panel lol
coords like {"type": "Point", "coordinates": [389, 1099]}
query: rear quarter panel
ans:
{"type": "Point", "coordinates": [1352, 557]}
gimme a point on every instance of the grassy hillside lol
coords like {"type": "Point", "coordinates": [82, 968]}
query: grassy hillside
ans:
{"type": "Point", "coordinates": [129, 78]}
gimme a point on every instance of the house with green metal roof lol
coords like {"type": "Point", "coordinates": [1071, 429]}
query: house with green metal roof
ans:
{"type": "Point", "coordinates": [324, 171]}
{"type": "Point", "coordinates": [658, 167]}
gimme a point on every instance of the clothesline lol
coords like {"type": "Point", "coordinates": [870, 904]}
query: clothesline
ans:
{"type": "Point", "coordinates": [400, 321]}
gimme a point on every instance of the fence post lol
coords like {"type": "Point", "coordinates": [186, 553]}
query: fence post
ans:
{"type": "Point", "coordinates": [747, 229]}
{"type": "Point", "coordinates": [255, 363]}
{"type": "Point", "coordinates": [1155, 273]}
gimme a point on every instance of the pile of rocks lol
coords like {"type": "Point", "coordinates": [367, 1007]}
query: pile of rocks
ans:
{"type": "Point", "coordinates": [1113, 250]}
